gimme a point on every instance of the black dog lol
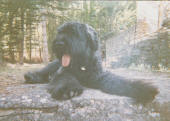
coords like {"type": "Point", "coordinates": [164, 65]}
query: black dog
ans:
{"type": "Point", "coordinates": [79, 65]}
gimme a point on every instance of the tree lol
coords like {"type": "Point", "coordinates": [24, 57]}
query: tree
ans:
{"type": "Point", "coordinates": [20, 22]}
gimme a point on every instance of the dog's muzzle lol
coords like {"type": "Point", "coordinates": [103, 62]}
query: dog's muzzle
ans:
{"type": "Point", "coordinates": [59, 48]}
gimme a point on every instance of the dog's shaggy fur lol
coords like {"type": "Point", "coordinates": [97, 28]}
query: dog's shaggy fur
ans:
{"type": "Point", "coordinates": [80, 42]}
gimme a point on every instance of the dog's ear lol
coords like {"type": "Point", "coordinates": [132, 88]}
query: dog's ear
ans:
{"type": "Point", "coordinates": [92, 37]}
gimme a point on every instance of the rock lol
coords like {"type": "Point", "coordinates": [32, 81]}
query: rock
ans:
{"type": "Point", "coordinates": [32, 102]}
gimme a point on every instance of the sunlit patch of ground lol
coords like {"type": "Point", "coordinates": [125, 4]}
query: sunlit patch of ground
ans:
{"type": "Point", "coordinates": [13, 74]}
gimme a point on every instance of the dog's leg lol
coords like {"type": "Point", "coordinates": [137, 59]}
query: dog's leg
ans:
{"type": "Point", "coordinates": [64, 86]}
{"type": "Point", "coordinates": [42, 75]}
{"type": "Point", "coordinates": [140, 91]}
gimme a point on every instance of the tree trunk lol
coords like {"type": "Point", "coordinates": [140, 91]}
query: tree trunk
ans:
{"type": "Point", "coordinates": [160, 11]}
{"type": "Point", "coordinates": [11, 52]}
{"type": "Point", "coordinates": [21, 51]}
{"type": "Point", "coordinates": [30, 42]}
{"type": "Point", "coordinates": [45, 42]}
{"type": "Point", "coordinates": [1, 57]}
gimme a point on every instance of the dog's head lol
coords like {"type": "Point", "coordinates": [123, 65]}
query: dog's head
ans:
{"type": "Point", "coordinates": [75, 43]}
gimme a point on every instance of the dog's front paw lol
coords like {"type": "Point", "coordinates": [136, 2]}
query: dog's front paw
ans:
{"type": "Point", "coordinates": [65, 92]}
{"type": "Point", "coordinates": [65, 88]}
{"type": "Point", "coordinates": [34, 77]}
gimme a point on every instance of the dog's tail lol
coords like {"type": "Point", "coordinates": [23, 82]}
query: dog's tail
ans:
{"type": "Point", "coordinates": [140, 91]}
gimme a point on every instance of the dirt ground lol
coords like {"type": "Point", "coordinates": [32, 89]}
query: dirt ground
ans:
{"type": "Point", "coordinates": [13, 74]}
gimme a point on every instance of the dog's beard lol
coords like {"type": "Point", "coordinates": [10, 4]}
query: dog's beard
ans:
{"type": "Point", "coordinates": [75, 48]}
{"type": "Point", "coordinates": [62, 53]}
{"type": "Point", "coordinates": [69, 55]}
